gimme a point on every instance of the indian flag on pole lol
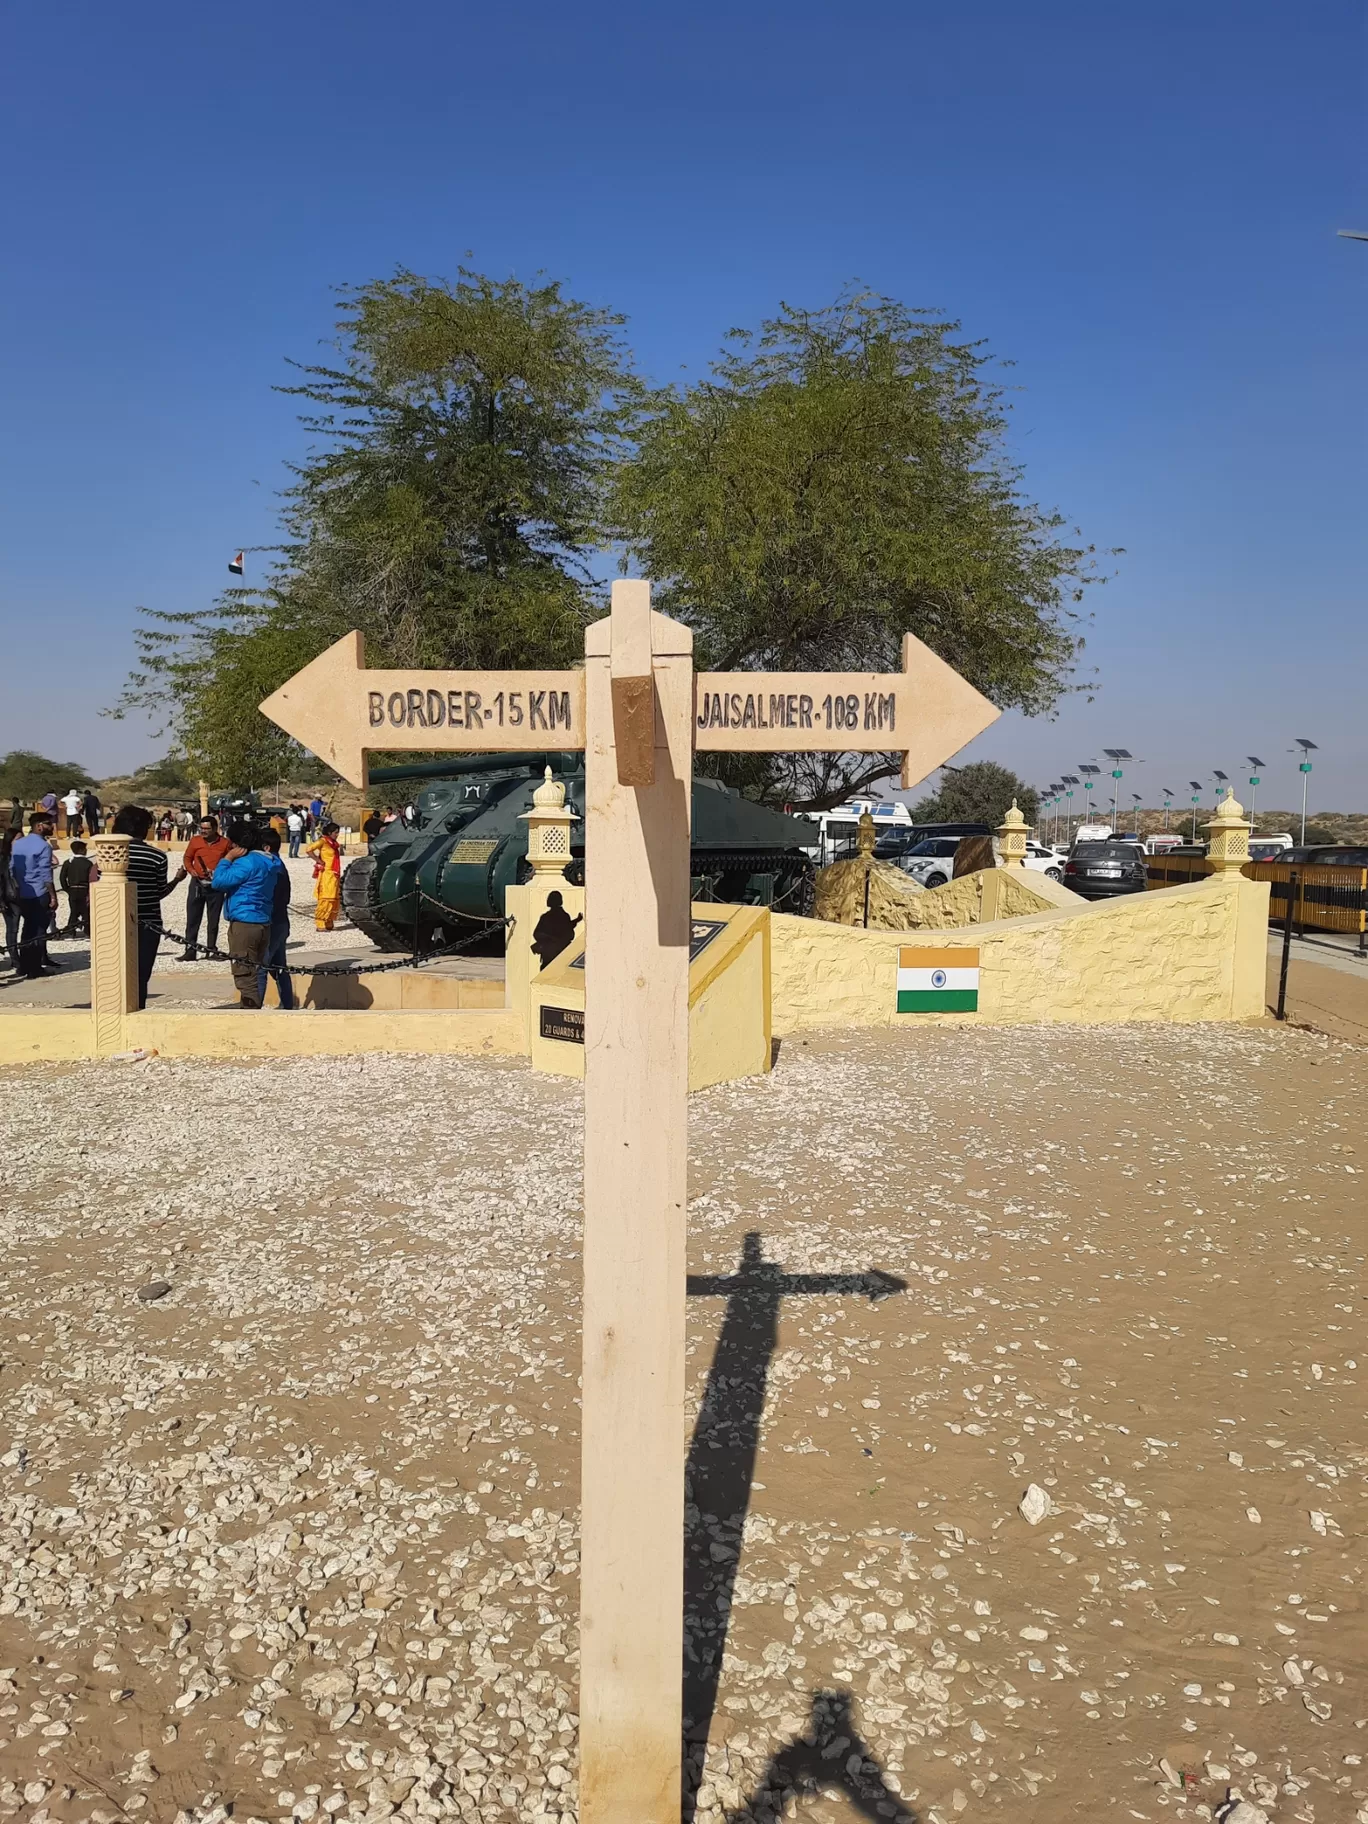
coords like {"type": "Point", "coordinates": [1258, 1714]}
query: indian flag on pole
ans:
{"type": "Point", "coordinates": [937, 981]}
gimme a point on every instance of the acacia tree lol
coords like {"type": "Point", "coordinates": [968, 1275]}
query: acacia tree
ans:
{"type": "Point", "coordinates": [981, 792]}
{"type": "Point", "coordinates": [840, 479]}
{"type": "Point", "coordinates": [464, 439]}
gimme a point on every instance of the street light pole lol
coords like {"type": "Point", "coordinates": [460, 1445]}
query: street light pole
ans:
{"type": "Point", "coordinates": [1256, 766]}
{"type": "Point", "coordinates": [1307, 747]}
{"type": "Point", "coordinates": [1195, 787]}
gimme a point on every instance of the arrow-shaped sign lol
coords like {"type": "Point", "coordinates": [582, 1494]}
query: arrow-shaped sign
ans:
{"type": "Point", "coordinates": [341, 712]}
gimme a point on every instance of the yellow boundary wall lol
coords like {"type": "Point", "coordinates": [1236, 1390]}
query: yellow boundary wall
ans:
{"type": "Point", "coordinates": [1190, 953]}
{"type": "Point", "coordinates": [1187, 953]}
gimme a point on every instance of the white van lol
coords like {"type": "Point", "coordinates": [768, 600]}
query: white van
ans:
{"type": "Point", "coordinates": [836, 830]}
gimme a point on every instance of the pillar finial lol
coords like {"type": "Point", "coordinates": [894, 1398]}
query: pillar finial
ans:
{"type": "Point", "coordinates": [548, 827]}
{"type": "Point", "coordinates": [1011, 835]}
{"type": "Point", "coordinates": [1227, 836]}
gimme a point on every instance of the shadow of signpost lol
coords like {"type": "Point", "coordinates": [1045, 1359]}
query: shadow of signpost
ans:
{"type": "Point", "coordinates": [829, 1754]}
{"type": "Point", "coordinates": [718, 1480]}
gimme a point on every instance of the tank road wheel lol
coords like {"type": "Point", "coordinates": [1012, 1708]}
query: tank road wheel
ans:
{"type": "Point", "coordinates": [358, 887]}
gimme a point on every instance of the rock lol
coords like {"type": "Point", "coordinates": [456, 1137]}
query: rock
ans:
{"type": "Point", "coordinates": [1034, 1505]}
{"type": "Point", "coordinates": [1292, 1672]}
{"type": "Point", "coordinates": [36, 1791]}
{"type": "Point", "coordinates": [1170, 1772]}
{"type": "Point", "coordinates": [153, 1290]}
{"type": "Point", "coordinates": [334, 1683]}
{"type": "Point", "coordinates": [1242, 1812]}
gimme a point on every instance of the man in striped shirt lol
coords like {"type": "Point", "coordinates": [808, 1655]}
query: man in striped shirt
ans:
{"type": "Point", "coordinates": [147, 870]}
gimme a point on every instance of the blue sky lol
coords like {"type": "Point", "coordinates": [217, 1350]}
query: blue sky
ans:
{"type": "Point", "coordinates": [1135, 203]}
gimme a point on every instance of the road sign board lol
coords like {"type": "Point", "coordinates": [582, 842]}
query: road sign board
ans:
{"type": "Point", "coordinates": [341, 711]}
{"type": "Point", "coordinates": [639, 712]}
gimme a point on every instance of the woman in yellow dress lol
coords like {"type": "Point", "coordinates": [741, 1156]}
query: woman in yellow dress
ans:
{"type": "Point", "coordinates": [327, 856]}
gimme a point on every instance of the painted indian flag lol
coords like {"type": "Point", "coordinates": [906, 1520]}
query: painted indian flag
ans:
{"type": "Point", "coordinates": [937, 981]}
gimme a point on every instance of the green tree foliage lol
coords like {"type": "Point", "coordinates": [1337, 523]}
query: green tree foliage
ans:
{"type": "Point", "coordinates": [838, 480]}
{"type": "Point", "coordinates": [981, 792]}
{"type": "Point", "coordinates": [169, 777]}
{"type": "Point", "coordinates": [28, 776]}
{"type": "Point", "coordinates": [455, 494]}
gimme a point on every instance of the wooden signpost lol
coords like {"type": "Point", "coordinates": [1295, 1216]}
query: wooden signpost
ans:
{"type": "Point", "coordinates": [639, 712]}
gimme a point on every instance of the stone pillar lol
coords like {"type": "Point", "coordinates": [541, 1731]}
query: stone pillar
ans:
{"type": "Point", "coordinates": [1011, 835]}
{"type": "Point", "coordinates": [866, 835]}
{"type": "Point", "coordinates": [1228, 835]}
{"type": "Point", "coordinates": [113, 943]}
{"type": "Point", "coordinates": [204, 798]}
{"type": "Point", "coordinates": [548, 850]}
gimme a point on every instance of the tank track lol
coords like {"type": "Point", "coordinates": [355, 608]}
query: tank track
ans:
{"type": "Point", "coordinates": [357, 903]}
{"type": "Point", "coordinates": [794, 877]}
{"type": "Point", "coordinates": [794, 885]}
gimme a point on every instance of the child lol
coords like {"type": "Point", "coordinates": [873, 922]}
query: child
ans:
{"type": "Point", "coordinates": [74, 880]}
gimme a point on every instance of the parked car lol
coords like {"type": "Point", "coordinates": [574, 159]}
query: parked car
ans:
{"type": "Point", "coordinates": [1098, 870]}
{"type": "Point", "coordinates": [930, 861]}
{"type": "Point", "coordinates": [1323, 855]}
{"type": "Point", "coordinates": [892, 845]}
{"type": "Point", "coordinates": [1041, 858]}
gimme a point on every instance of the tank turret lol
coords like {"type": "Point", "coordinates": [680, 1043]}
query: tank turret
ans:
{"type": "Point", "coordinates": [430, 880]}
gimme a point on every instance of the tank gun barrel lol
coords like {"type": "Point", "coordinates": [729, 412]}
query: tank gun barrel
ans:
{"type": "Point", "coordinates": [475, 763]}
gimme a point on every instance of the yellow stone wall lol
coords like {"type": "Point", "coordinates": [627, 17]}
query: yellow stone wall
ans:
{"type": "Point", "coordinates": [247, 1034]}
{"type": "Point", "coordinates": [1191, 953]}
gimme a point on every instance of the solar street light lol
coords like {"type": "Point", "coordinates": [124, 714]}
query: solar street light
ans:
{"type": "Point", "coordinates": [1307, 747]}
{"type": "Point", "coordinates": [1116, 755]}
{"type": "Point", "coordinates": [1256, 766]}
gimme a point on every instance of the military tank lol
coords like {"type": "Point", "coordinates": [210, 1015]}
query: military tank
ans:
{"type": "Point", "coordinates": [436, 878]}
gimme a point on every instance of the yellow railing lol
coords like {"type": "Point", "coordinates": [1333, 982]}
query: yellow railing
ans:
{"type": "Point", "coordinates": [1328, 898]}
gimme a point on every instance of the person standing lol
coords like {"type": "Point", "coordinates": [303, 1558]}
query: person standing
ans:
{"type": "Point", "coordinates": [90, 811]}
{"type": "Point", "coordinates": [246, 878]}
{"type": "Point", "coordinates": [203, 853]}
{"type": "Point", "coordinates": [9, 897]}
{"type": "Point", "coordinates": [327, 856]}
{"type": "Point", "coordinates": [74, 881]}
{"type": "Point", "coordinates": [274, 961]}
{"type": "Point", "coordinates": [16, 816]}
{"type": "Point", "coordinates": [147, 869]}
{"type": "Point", "coordinates": [294, 829]}
{"type": "Point", "coordinates": [74, 805]}
{"type": "Point", "coordinates": [372, 827]}
{"type": "Point", "coordinates": [315, 812]}
{"type": "Point", "coordinates": [48, 802]}
{"type": "Point", "coordinates": [31, 863]}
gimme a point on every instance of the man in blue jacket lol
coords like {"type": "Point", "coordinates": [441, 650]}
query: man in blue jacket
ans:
{"type": "Point", "coordinates": [247, 878]}
{"type": "Point", "coordinates": [31, 865]}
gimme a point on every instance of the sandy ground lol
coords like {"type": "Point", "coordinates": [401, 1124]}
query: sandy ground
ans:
{"type": "Point", "coordinates": [299, 1536]}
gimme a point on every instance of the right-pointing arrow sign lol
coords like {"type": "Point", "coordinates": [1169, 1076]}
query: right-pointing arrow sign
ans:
{"type": "Point", "coordinates": [926, 710]}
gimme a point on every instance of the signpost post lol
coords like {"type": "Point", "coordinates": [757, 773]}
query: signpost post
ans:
{"type": "Point", "coordinates": [639, 712]}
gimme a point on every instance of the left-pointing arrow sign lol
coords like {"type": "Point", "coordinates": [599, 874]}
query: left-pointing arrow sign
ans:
{"type": "Point", "coordinates": [341, 712]}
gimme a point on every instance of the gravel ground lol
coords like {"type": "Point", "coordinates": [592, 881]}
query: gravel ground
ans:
{"type": "Point", "coordinates": [297, 1535]}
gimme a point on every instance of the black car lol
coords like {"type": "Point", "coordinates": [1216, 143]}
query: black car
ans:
{"type": "Point", "coordinates": [1324, 855]}
{"type": "Point", "coordinates": [1097, 870]}
{"type": "Point", "coordinates": [893, 844]}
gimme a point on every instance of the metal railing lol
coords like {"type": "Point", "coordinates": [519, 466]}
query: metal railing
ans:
{"type": "Point", "coordinates": [1326, 898]}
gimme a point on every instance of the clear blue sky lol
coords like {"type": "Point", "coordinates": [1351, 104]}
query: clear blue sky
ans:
{"type": "Point", "coordinates": [1134, 202]}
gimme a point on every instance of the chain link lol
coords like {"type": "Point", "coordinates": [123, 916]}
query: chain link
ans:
{"type": "Point", "coordinates": [418, 958]}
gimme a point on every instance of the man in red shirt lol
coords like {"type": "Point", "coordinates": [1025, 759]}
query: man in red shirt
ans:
{"type": "Point", "coordinates": [202, 855]}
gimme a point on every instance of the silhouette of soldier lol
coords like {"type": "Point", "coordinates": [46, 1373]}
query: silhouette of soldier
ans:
{"type": "Point", "coordinates": [554, 929]}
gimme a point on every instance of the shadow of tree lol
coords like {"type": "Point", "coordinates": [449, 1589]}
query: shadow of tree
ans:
{"type": "Point", "coordinates": [722, 1455]}
{"type": "Point", "coordinates": [829, 1756]}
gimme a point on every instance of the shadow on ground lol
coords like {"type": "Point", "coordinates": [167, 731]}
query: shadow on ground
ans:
{"type": "Point", "coordinates": [717, 1489]}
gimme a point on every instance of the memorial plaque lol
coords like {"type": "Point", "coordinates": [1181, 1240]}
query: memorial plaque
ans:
{"type": "Point", "coordinates": [565, 1023]}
